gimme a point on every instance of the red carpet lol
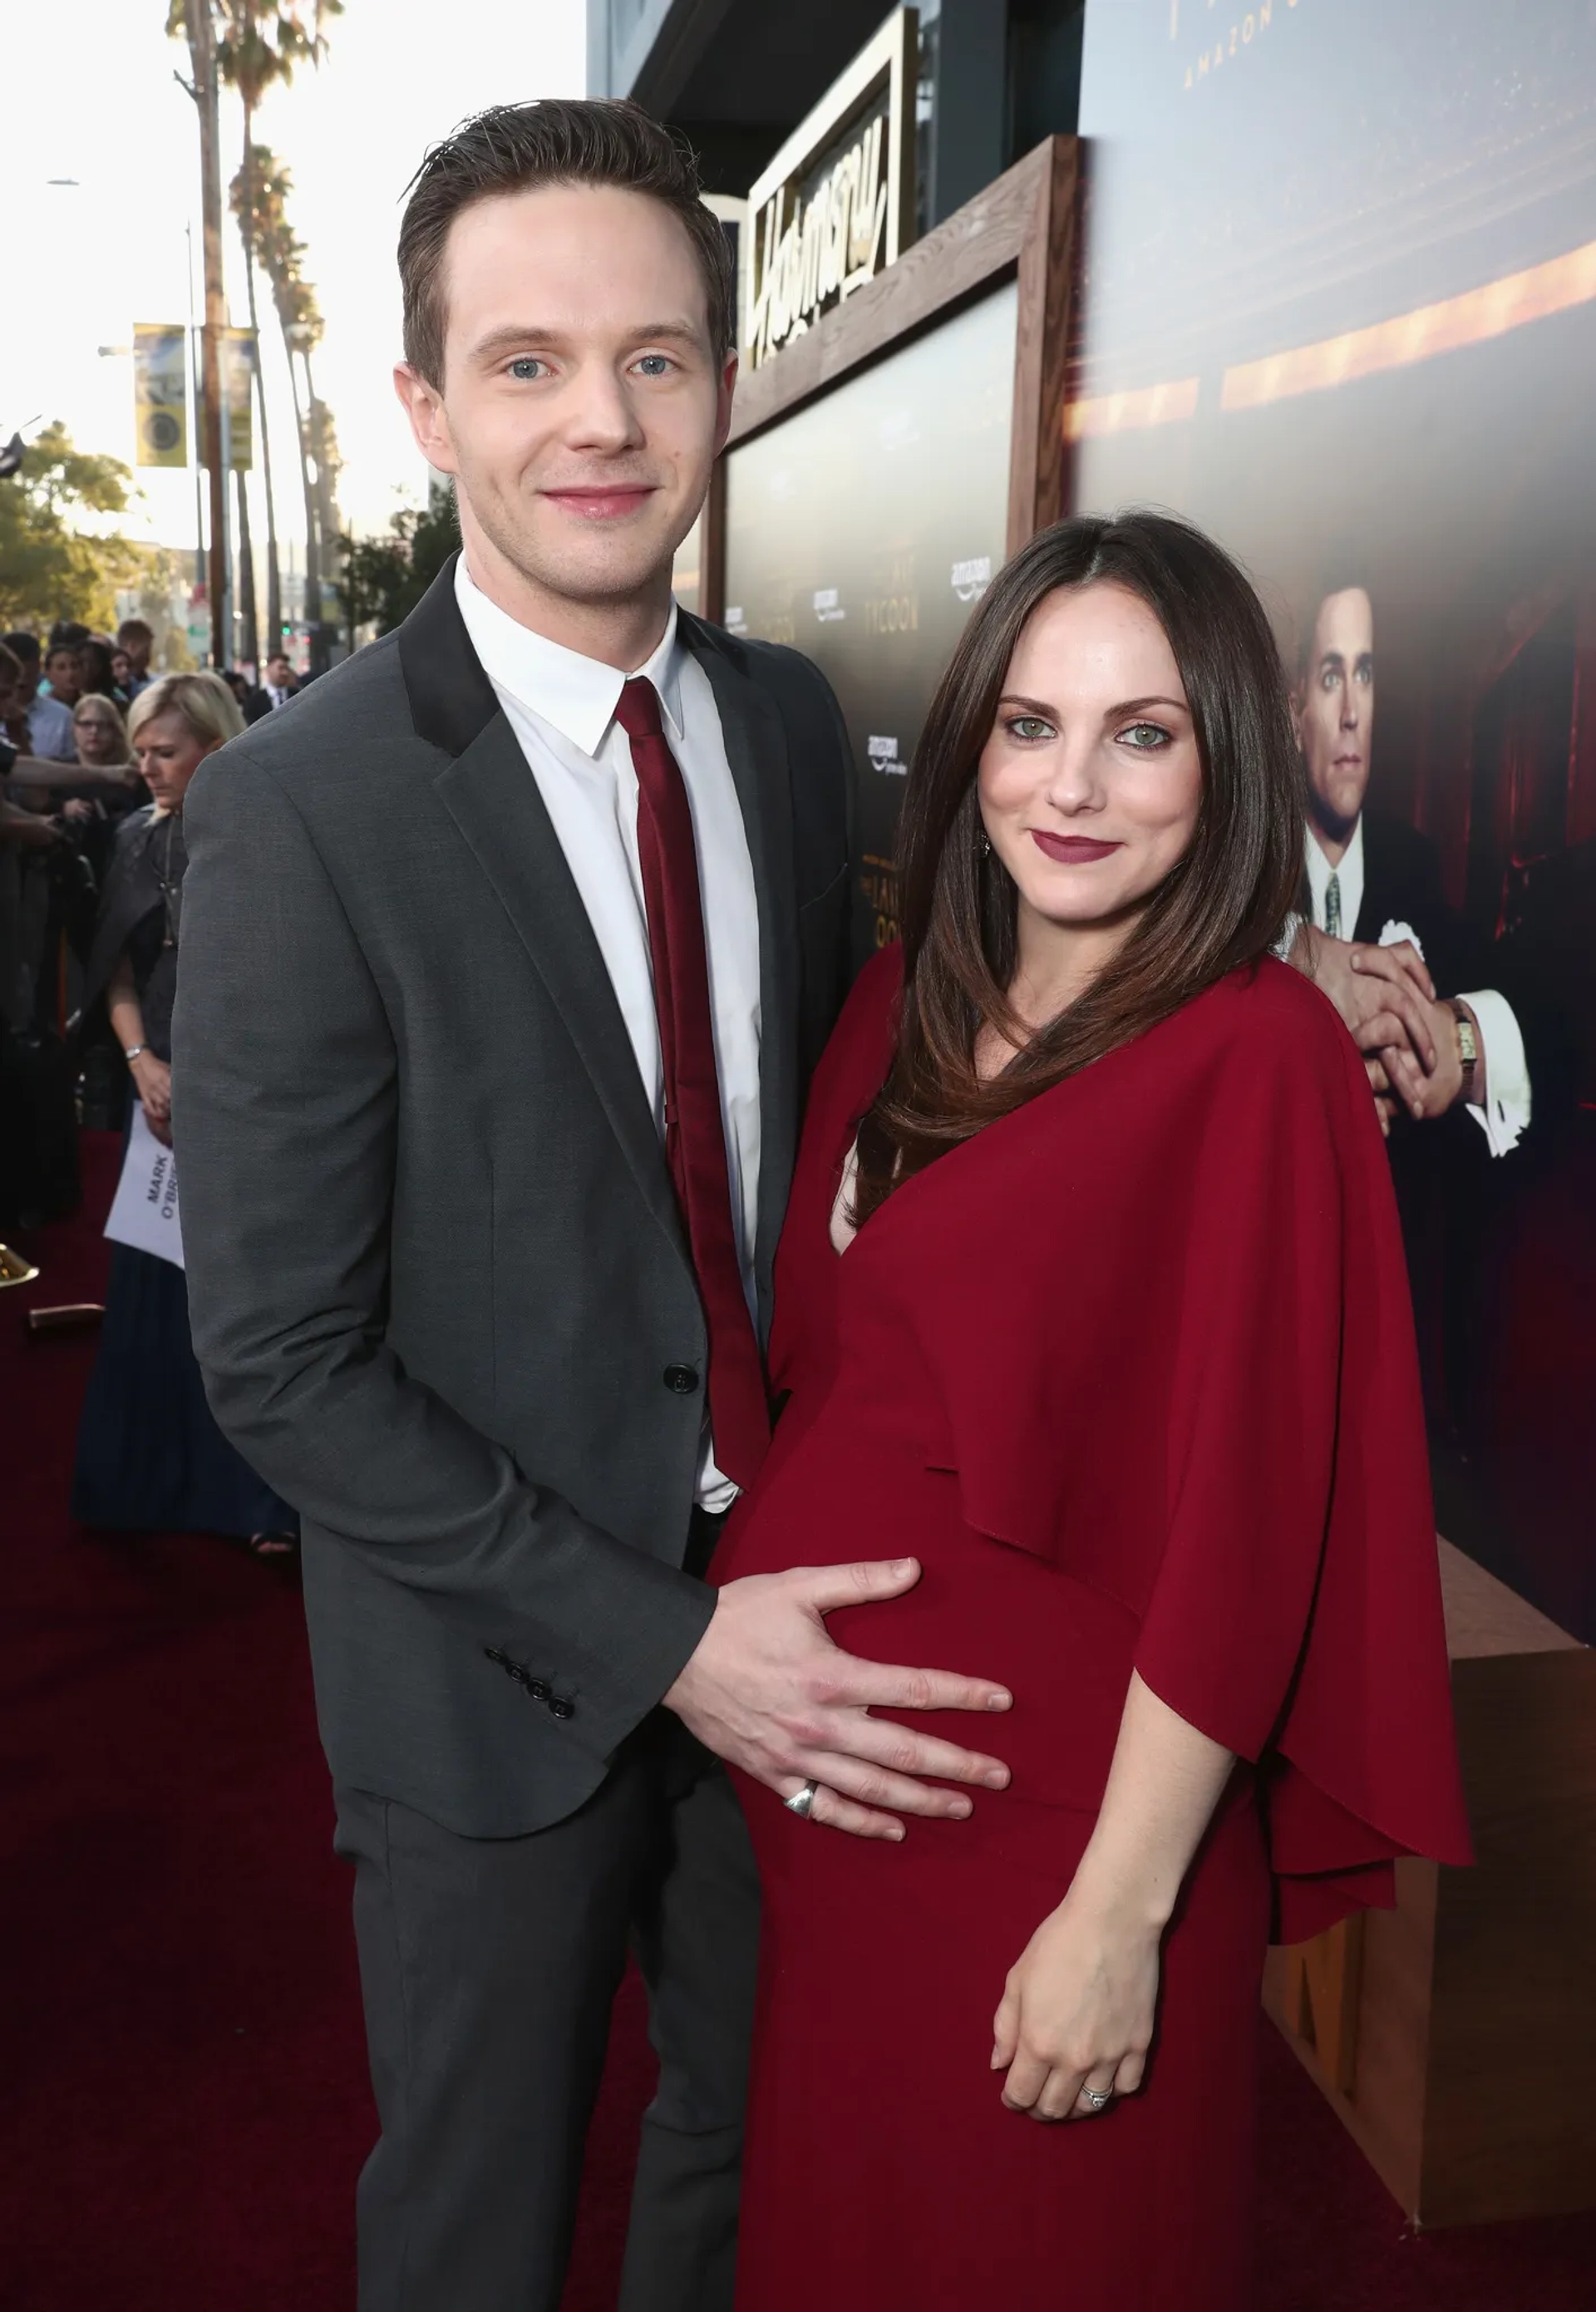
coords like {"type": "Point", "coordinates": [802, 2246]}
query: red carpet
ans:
{"type": "Point", "coordinates": [184, 2103]}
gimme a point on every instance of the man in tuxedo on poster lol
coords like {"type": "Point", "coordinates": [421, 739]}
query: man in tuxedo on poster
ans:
{"type": "Point", "coordinates": [1380, 937]}
{"type": "Point", "coordinates": [507, 954]}
{"type": "Point", "coordinates": [1373, 882]}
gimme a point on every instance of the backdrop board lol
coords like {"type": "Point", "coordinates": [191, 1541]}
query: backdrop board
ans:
{"type": "Point", "coordinates": [1342, 311]}
{"type": "Point", "coordinates": [864, 528]}
{"type": "Point", "coordinates": [885, 460]}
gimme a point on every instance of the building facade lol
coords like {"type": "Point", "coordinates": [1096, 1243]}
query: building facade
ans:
{"type": "Point", "coordinates": [737, 76]}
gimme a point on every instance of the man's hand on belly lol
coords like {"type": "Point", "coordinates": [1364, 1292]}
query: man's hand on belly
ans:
{"type": "Point", "coordinates": [767, 1691]}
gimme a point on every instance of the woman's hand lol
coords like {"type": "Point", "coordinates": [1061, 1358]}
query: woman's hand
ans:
{"type": "Point", "coordinates": [1077, 2012]}
{"type": "Point", "coordinates": [1079, 2005]}
{"type": "Point", "coordinates": [152, 1079]}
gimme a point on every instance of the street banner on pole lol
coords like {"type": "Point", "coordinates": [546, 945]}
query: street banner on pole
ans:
{"type": "Point", "coordinates": [160, 394]}
{"type": "Point", "coordinates": [238, 357]}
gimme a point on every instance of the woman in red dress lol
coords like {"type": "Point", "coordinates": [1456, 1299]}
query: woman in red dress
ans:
{"type": "Point", "coordinates": [1090, 1301]}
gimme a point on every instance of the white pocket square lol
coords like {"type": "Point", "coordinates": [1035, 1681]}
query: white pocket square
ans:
{"type": "Point", "coordinates": [1395, 933]}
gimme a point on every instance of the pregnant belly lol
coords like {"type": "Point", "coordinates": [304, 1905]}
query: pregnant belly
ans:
{"type": "Point", "coordinates": [849, 1489]}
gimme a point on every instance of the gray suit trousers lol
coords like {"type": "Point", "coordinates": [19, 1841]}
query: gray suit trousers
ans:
{"type": "Point", "coordinates": [487, 1970]}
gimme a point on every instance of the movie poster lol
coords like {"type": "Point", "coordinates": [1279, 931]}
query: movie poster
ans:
{"type": "Point", "coordinates": [1340, 309]}
{"type": "Point", "coordinates": [863, 528]}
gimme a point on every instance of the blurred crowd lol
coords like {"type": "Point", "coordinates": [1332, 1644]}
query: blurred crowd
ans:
{"type": "Point", "coordinates": [97, 748]}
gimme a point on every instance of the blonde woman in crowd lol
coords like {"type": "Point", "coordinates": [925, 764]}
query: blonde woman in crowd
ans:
{"type": "Point", "coordinates": [99, 733]}
{"type": "Point", "coordinates": [149, 1454]}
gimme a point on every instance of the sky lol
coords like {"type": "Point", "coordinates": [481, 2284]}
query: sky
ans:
{"type": "Point", "coordinates": [92, 97]}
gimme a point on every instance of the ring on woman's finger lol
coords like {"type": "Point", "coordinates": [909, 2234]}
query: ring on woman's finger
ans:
{"type": "Point", "coordinates": [801, 1803]}
{"type": "Point", "coordinates": [1097, 2098]}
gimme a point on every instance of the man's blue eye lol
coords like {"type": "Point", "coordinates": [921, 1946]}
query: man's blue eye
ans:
{"type": "Point", "coordinates": [654, 365]}
{"type": "Point", "coordinates": [522, 370]}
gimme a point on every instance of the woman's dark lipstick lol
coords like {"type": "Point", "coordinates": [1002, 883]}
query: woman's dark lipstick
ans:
{"type": "Point", "coordinates": [1072, 850]}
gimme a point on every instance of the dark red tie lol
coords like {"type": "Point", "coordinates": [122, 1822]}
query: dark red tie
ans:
{"type": "Point", "coordinates": [695, 1134]}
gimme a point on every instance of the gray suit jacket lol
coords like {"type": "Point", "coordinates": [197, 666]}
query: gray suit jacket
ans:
{"type": "Point", "coordinates": [439, 1286]}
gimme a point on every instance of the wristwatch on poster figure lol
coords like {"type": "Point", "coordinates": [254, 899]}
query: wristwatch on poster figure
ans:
{"type": "Point", "coordinates": [1468, 1046]}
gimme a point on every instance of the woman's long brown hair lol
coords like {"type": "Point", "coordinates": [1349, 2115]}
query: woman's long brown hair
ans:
{"type": "Point", "coordinates": [1223, 904]}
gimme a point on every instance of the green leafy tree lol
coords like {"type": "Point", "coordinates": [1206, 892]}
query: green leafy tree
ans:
{"type": "Point", "coordinates": [50, 567]}
{"type": "Point", "coordinates": [163, 585]}
{"type": "Point", "coordinates": [383, 579]}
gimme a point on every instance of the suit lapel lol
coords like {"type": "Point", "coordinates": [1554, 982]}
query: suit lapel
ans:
{"type": "Point", "coordinates": [1376, 908]}
{"type": "Point", "coordinates": [492, 796]}
{"type": "Point", "coordinates": [757, 751]}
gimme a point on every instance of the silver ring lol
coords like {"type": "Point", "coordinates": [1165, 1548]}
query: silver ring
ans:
{"type": "Point", "coordinates": [801, 1800]}
{"type": "Point", "coordinates": [1096, 2097]}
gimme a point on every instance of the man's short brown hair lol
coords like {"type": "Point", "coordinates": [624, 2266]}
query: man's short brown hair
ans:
{"type": "Point", "coordinates": [513, 148]}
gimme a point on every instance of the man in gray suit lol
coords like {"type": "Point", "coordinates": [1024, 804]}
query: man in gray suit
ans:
{"type": "Point", "coordinates": [507, 948]}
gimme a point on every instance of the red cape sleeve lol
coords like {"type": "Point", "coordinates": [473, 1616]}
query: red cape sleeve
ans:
{"type": "Point", "coordinates": [1295, 1616]}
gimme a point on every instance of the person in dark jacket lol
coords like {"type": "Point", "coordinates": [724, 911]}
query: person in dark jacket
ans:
{"type": "Point", "coordinates": [149, 1454]}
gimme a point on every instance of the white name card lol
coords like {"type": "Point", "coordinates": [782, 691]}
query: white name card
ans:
{"type": "Point", "coordinates": [143, 1212]}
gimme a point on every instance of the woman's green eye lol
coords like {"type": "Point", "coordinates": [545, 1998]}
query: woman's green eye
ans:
{"type": "Point", "coordinates": [1145, 735]}
{"type": "Point", "coordinates": [1029, 727]}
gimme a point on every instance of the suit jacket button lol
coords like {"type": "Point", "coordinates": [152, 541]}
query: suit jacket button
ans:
{"type": "Point", "coordinates": [498, 1660]}
{"type": "Point", "coordinates": [681, 1379]}
{"type": "Point", "coordinates": [560, 1708]}
{"type": "Point", "coordinates": [537, 1689]}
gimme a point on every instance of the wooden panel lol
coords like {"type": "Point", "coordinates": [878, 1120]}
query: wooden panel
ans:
{"type": "Point", "coordinates": [1384, 2113]}
{"type": "Point", "coordinates": [1387, 2113]}
{"type": "Point", "coordinates": [1484, 1616]}
{"type": "Point", "coordinates": [1512, 2120]}
{"type": "Point", "coordinates": [972, 251]}
{"type": "Point", "coordinates": [1471, 2088]}
{"type": "Point", "coordinates": [1047, 268]}
{"type": "Point", "coordinates": [1329, 1979]}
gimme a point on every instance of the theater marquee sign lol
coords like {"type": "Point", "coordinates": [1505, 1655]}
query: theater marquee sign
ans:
{"type": "Point", "coordinates": [836, 205]}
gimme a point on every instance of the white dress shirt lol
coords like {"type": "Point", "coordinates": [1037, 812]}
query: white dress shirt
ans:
{"type": "Point", "coordinates": [1505, 1112]}
{"type": "Point", "coordinates": [561, 707]}
{"type": "Point", "coordinates": [49, 730]}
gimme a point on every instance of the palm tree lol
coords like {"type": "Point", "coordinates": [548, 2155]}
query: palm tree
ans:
{"type": "Point", "coordinates": [191, 21]}
{"type": "Point", "coordinates": [329, 465]}
{"type": "Point", "coordinates": [282, 254]}
{"type": "Point", "coordinates": [259, 43]}
{"type": "Point", "coordinates": [300, 316]}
